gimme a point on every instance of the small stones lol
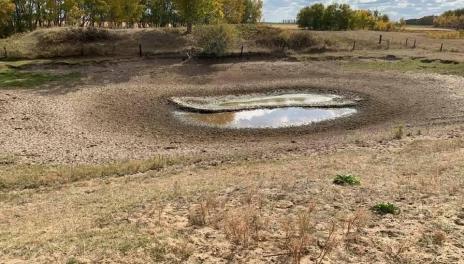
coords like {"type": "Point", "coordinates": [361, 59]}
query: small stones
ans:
{"type": "Point", "coordinates": [284, 204]}
{"type": "Point", "coordinates": [459, 222]}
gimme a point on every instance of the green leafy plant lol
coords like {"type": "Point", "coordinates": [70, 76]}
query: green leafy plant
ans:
{"type": "Point", "coordinates": [347, 179]}
{"type": "Point", "coordinates": [385, 208]}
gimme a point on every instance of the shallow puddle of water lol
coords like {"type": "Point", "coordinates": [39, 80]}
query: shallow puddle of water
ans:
{"type": "Point", "coordinates": [249, 102]}
{"type": "Point", "coordinates": [265, 118]}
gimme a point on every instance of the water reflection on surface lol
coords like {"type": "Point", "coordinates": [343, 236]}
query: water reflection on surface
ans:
{"type": "Point", "coordinates": [265, 118]}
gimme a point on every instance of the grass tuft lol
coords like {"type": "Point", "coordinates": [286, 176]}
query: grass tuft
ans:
{"type": "Point", "coordinates": [73, 260]}
{"type": "Point", "coordinates": [398, 132]}
{"type": "Point", "coordinates": [347, 179]}
{"type": "Point", "coordinates": [385, 208]}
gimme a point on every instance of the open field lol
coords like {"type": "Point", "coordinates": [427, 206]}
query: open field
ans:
{"type": "Point", "coordinates": [94, 168]}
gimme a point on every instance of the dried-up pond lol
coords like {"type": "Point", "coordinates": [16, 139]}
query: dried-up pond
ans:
{"type": "Point", "coordinates": [263, 111]}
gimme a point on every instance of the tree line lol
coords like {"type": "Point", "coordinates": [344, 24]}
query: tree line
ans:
{"type": "Point", "coordinates": [27, 15]}
{"type": "Point", "coordinates": [451, 19]}
{"type": "Point", "coordinates": [342, 17]}
{"type": "Point", "coordinates": [423, 21]}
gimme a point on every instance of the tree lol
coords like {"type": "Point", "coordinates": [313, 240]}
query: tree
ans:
{"type": "Point", "coordinates": [7, 9]}
{"type": "Point", "coordinates": [72, 12]}
{"type": "Point", "coordinates": [451, 19]}
{"type": "Point", "coordinates": [159, 13]}
{"type": "Point", "coordinates": [253, 11]}
{"type": "Point", "coordinates": [362, 19]}
{"type": "Point", "coordinates": [233, 11]}
{"type": "Point", "coordinates": [27, 15]}
{"type": "Point", "coordinates": [344, 15]}
{"type": "Point", "coordinates": [311, 17]}
{"type": "Point", "coordinates": [194, 11]}
{"type": "Point", "coordinates": [341, 17]}
{"type": "Point", "coordinates": [329, 17]}
{"type": "Point", "coordinates": [402, 23]}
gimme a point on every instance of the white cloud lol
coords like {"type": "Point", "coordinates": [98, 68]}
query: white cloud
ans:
{"type": "Point", "coordinates": [277, 10]}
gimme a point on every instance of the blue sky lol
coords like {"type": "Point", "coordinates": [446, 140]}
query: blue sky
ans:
{"type": "Point", "coordinates": [277, 10]}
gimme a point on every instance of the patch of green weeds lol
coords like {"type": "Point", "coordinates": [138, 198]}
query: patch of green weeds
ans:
{"type": "Point", "coordinates": [385, 208]}
{"type": "Point", "coordinates": [347, 179]}
{"type": "Point", "coordinates": [11, 78]}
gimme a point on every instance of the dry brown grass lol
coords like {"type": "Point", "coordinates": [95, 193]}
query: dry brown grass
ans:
{"type": "Point", "coordinates": [259, 38]}
{"type": "Point", "coordinates": [71, 42]}
{"type": "Point", "coordinates": [33, 176]}
{"type": "Point", "coordinates": [242, 225]}
{"type": "Point", "coordinates": [446, 35]}
{"type": "Point", "coordinates": [147, 218]}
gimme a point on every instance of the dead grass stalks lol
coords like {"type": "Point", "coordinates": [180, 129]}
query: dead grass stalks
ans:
{"type": "Point", "coordinates": [34, 176]}
{"type": "Point", "coordinates": [242, 226]}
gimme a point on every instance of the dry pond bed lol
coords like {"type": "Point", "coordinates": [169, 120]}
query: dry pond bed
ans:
{"type": "Point", "coordinates": [239, 195]}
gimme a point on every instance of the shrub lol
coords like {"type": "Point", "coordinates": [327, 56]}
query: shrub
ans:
{"type": "Point", "coordinates": [347, 179]}
{"type": "Point", "coordinates": [301, 40]}
{"type": "Point", "coordinates": [281, 39]}
{"type": "Point", "coordinates": [437, 237]}
{"type": "Point", "coordinates": [216, 39]}
{"type": "Point", "coordinates": [385, 208]}
{"type": "Point", "coordinates": [384, 26]}
{"type": "Point", "coordinates": [273, 38]}
{"type": "Point", "coordinates": [242, 226]}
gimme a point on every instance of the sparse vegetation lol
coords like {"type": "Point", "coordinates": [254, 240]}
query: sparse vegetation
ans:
{"type": "Point", "coordinates": [34, 176]}
{"type": "Point", "coordinates": [446, 35]}
{"type": "Point", "coordinates": [347, 179]}
{"type": "Point", "coordinates": [11, 78]}
{"type": "Point", "coordinates": [385, 208]}
{"type": "Point", "coordinates": [242, 226]}
{"type": "Point", "coordinates": [77, 36]}
{"type": "Point", "coordinates": [299, 233]}
{"type": "Point", "coordinates": [446, 67]}
{"type": "Point", "coordinates": [436, 238]}
{"type": "Point", "coordinates": [398, 132]}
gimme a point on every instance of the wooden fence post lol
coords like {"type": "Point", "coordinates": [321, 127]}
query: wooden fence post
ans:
{"type": "Point", "coordinates": [407, 42]}
{"type": "Point", "coordinates": [441, 47]}
{"type": "Point", "coordinates": [241, 51]}
{"type": "Point", "coordinates": [5, 53]}
{"type": "Point", "coordinates": [414, 46]}
{"type": "Point", "coordinates": [354, 46]}
{"type": "Point", "coordinates": [380, 39]}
